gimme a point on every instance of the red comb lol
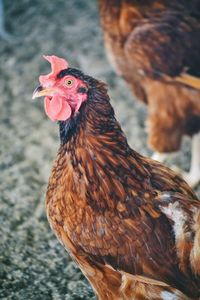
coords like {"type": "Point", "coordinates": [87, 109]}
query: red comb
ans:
{"type": "Point", "coordinates": [57, 64]}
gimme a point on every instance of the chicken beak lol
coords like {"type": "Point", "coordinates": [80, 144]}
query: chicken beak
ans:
{"type": "Point", "coordinates": [41, 91]}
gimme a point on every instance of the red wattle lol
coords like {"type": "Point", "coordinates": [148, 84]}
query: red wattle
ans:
{"type": "Point", "coordinates": [57, 109]}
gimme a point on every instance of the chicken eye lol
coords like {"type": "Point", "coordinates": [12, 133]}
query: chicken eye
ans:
{"type": "Point", "coordinates": [69, 82]}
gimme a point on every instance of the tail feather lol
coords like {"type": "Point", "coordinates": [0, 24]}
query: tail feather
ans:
{"type": "Point", "coordinates": [189, 80]}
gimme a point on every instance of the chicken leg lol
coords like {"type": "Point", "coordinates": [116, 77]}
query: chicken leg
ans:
{"type": "Point", "coordinates": [193, 176]}
{"type": "Point", "coordinates": [161, 157]}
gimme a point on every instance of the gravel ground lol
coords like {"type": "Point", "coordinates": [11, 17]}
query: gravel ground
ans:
{"type": "Point", "coordinates": [33, 265]}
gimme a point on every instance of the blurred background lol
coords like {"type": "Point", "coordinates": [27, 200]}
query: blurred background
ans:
{"type": "Point", "coordinates": [33, 265]}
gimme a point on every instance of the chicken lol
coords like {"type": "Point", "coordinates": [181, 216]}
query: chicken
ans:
{"type": "Point", "coordinates": [130, 223]}
{"type": "Point", "coordinates": [154, 45]}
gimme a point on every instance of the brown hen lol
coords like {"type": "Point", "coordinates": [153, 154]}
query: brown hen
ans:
{"type": "Point", "coordinates": [131, 224]}
{"type": "Point", "coordinates": [154, 45]}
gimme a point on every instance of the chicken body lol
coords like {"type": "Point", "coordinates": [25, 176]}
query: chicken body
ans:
{"type": "Point", "coordinates": [154, 45]}
{"type": "Point", "coordinates": [131, 224]}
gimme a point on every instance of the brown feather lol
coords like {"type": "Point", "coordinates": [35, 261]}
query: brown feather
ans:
{"type": "Point", "coordinates": [106, 203]}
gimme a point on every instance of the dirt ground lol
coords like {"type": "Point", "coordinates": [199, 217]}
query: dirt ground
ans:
{"type": "Point", "coordinates": [33, 265]}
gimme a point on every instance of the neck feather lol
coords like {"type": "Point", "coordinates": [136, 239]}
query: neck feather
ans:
{"type": "Point", "coordinates": [98, 153]}
{"type": "Point", "coordinates": [95, 118]}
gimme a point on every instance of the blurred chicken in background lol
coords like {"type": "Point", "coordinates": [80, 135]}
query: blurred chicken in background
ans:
{"type": "Point", "coordinates": [154, 45]}
{"type": "Point", "coordinates": [3, 33]}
